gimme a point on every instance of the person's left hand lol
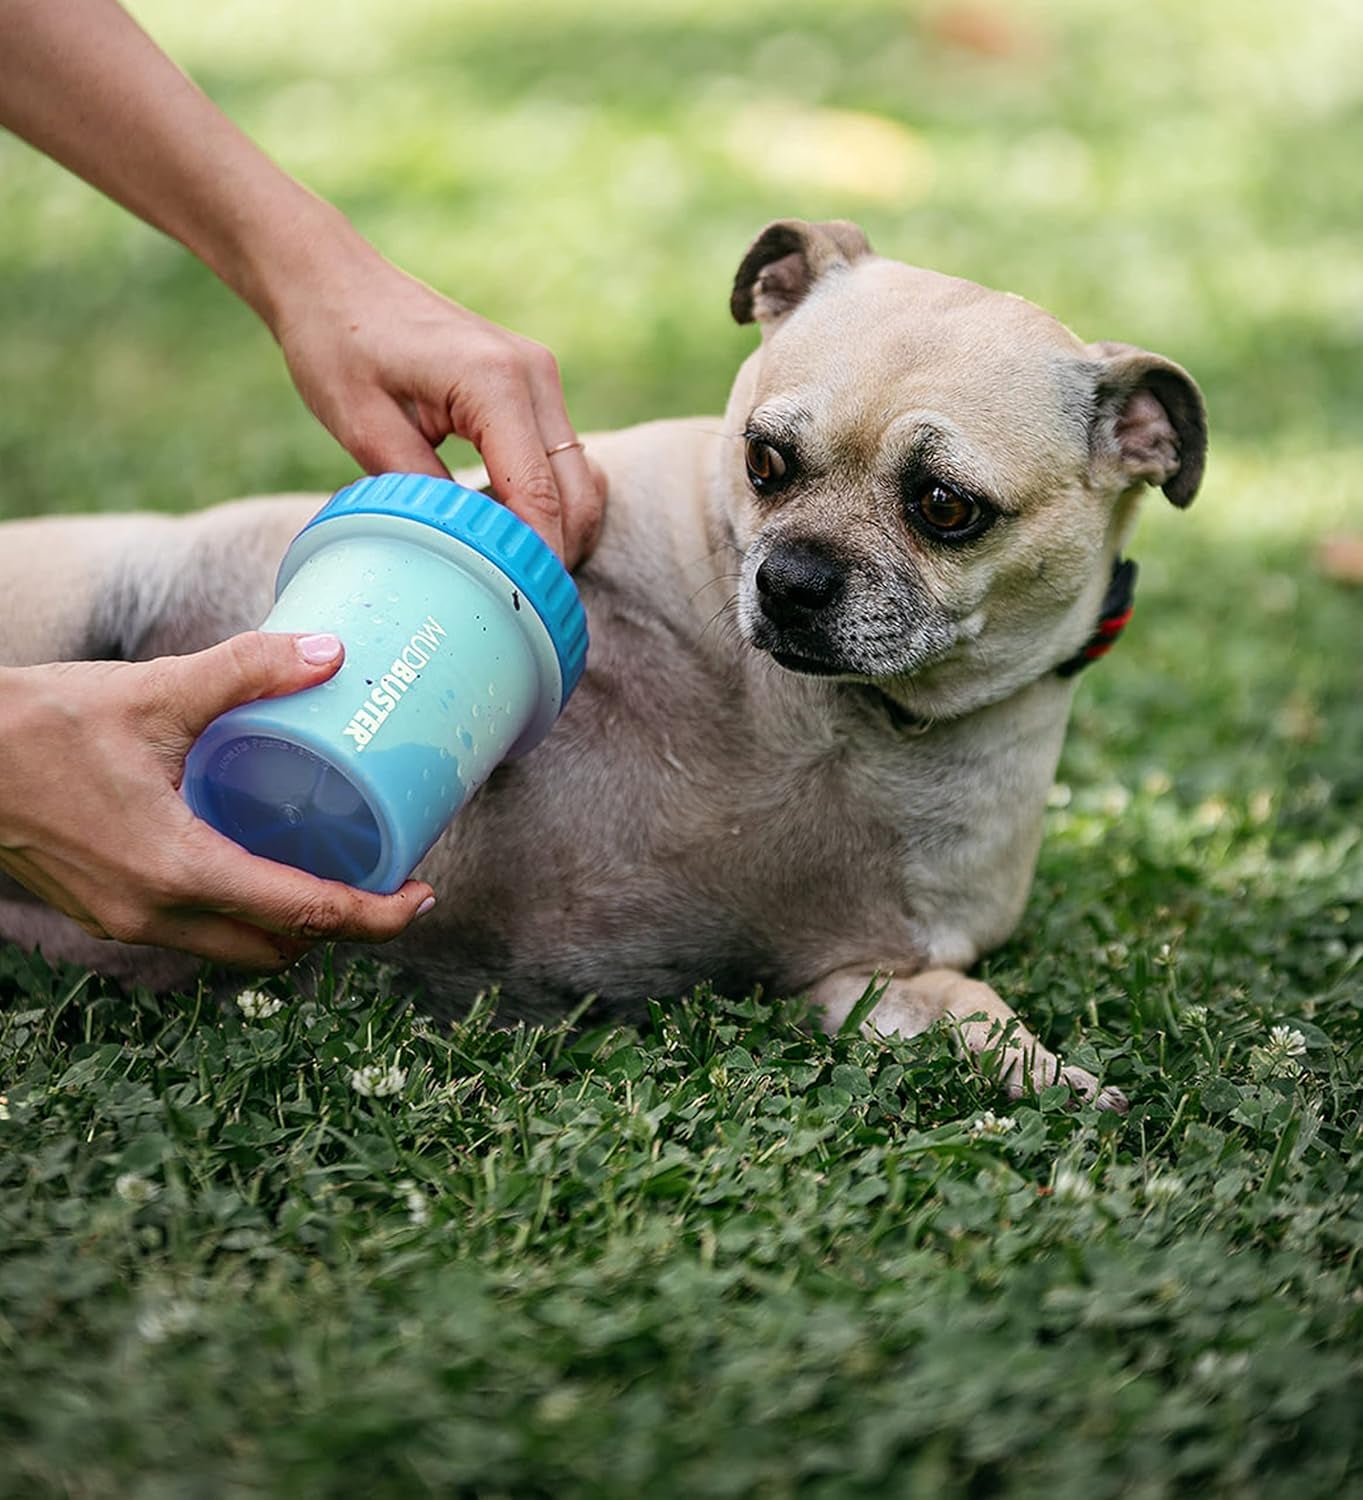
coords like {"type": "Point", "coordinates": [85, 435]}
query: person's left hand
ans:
{"type": "Point", "coordinates": [392, 368]}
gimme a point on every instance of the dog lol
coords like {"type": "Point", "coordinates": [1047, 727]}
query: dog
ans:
{"type": "Point", "coordinates": [829, 675]}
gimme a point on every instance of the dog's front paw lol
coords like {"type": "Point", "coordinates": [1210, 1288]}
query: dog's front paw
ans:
{"type": "Point", "coordinates": [986, 1027]}
{"type": "Point", "coordinates": [1035, 1067]}
{"type": "Point", "coordinates": [1088, 1088]}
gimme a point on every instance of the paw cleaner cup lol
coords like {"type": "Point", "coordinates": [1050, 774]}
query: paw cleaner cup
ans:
{"type": "Point", "coordinates": [463, 636]}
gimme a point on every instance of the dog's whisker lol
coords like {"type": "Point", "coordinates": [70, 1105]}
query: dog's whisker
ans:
{"type": "Point", "coordinates": [706, 557]}
{"type": "Point", "coordinates": [720, 578]}
{"type": "Point", "coordinates": [726, 616]}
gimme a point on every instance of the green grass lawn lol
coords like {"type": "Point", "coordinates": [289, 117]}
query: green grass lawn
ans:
{"type": "Point", "coordinates": [717, 1254]}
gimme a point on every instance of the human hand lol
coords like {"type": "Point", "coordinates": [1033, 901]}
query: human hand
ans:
{"type": "Point", "coordinates": [392, 368]}
{"type": "Point", "coordinates": [92, 821]}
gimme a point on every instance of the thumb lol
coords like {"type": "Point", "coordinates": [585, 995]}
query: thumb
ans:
{"type": "Point", "coordinates": [384, 440]}
{"type": "Point", "coordinates": [246, 667]}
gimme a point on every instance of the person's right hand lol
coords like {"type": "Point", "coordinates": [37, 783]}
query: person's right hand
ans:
{"type": "Point", "coordinates": [392, 368]}
{"type": "Point", "coordinates": [92, 821]}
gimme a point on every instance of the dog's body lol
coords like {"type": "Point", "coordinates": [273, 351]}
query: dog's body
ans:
{"type": "Point", "coordinates": [701, 812]}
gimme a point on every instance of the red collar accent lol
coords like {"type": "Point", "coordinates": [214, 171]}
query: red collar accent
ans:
{"type": "Point", "coordinates": [1116, 611]}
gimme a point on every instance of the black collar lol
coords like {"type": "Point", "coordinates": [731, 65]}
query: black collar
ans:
{"type": "Point", "coordinates": [1112, 618]}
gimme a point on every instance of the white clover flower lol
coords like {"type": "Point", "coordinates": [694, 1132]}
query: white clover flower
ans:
{"type": "Point", "coordinates": [1211, 1366]}
{"type": "Point", "coordinates": [1114, 800]}
{"type": "Point", "coordinates": [1280, 1053]}
{"type": "Point", "coordinates": [4, 1107]}
{"type": "Point", "coordinates": [1072, 1186]}
{"type": "Point", "coordinates": [1211, 812]}
{"type": "Point", "coordinates": [417, 1203]}
{"type": "Point", "coordinates": [1164, 1187]}
{"type": "Point", "coordinates": [256, 1005]}
{"type": "Point", "coordinates": [990, 1124]}
{"type": "Point", "coordinates": [374, 1081]}
{"type": "Point", "coordinates": [1195, 1015]}
{"type": "Point", "coordinates": [160, 1321]}
{"type": "Point", "coordinates": [1287, 1041]}
{"type": "Point", "coordinates": [558, 1405]}
{"type": "Point", "coordinates": [133, 1188]}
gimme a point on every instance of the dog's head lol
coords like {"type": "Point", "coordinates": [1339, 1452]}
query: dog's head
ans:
{"type": "Point", "coordinates": [929, 480]}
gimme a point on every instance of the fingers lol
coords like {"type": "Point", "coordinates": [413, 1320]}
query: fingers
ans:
{"type": "Point", "coordinates": [581, 494]}
{"type": "Point", "coordinates": [575, 485]}
{"type": "Point", "coordinates": [583, 500]}
{"type": "Point", "coordinates": [592, 518]}
{"type": "Point", "coordinates": [130, 918]}
{"type": "Point", "coordinates": [512, 447]}
{"type": "Point", "coordinates": [382, 439]}
{"type": "Point", "coordinates": [213, 899]}
{"type": "Point", "coordinates": [279, 899]}
{"type": "Point", "coordinates": [196, 689]}
{"type": "Point", "coordinates": [221, 940]}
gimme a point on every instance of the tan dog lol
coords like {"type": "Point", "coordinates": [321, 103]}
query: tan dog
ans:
{"type": "Point", "coordinates": [821, 715]}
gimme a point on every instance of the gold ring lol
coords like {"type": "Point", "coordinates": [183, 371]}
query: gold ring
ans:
{"type": "Point", "coordinates": [562, 447]}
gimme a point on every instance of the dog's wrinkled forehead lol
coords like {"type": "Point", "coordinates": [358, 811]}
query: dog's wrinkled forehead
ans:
{"type": "Point", "coordinates": [881, 355]}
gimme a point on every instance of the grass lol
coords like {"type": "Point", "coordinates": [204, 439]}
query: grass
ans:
{"type": "Point", "coordinates": [715, 1253]}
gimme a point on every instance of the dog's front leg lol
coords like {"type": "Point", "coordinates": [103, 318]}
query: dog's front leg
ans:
{"type": "Point", "coordinates": [982, 1019]}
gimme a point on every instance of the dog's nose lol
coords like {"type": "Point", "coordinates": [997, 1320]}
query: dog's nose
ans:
{"type": "Point", "coordinates": [797, 578]}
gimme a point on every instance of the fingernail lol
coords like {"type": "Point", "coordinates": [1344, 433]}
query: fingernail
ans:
{"type": "Point", "coordinates": [317, 650]}
{"type": "Point", "coordinates": [425, 906]}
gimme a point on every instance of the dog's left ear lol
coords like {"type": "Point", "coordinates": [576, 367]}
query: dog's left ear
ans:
{"type": "Point", "coordinates": [785, 261]}
{"type": "Point", "coordinates": [1149, 420]}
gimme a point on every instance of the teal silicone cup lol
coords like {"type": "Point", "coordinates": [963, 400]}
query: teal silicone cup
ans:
{"type": "Point", "coordinates": [463, 637]}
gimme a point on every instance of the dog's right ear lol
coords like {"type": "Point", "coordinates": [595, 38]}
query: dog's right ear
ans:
{"type": "Point", "coordinates": [1150, 421]}
{"type": "Point", "coordinates": [785, 260]}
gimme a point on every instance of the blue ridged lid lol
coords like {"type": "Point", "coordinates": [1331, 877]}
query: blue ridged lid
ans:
{"type": "Point", "coordinates": [490, 528]}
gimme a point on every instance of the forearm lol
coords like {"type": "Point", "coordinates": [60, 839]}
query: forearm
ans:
{"type": "Point", "coordinates": [81, 81]}
{"type": "Point", "coordinates": [387, 365]}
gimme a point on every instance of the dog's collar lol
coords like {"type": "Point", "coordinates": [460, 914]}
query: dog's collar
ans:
{"type": "Point", "coordinates": [1118, 603]}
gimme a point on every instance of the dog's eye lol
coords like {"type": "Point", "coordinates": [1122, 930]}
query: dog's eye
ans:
{"type": "Point", "coordinates": [948, 513]}
{"type": "Point", "coordinates": [768, 468]}
{"type": "Point", "coordinates": [947, 509]}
